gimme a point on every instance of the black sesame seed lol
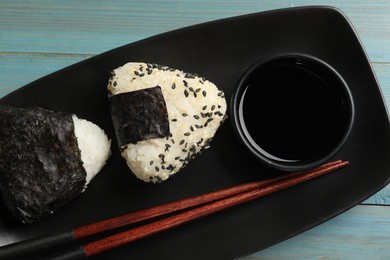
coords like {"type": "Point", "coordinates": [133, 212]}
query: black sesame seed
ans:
{"type": "Point", "coordinates": [182, 142]}
{"type": "Point", "coordinates": [197, 126]}
{"type": "Point", "coordinates": [191, 89]}
{"type": "Point", "coordinates": [136, 72]}
{"type": "Point", "coordinates": [204, 107]}
{"type": "Point", "coordinates": [173, 86]}
{"type": "Point", "coordinates": [195, 95]}
{"type": "Point", "coordinates": [151, 162]}
{"type": "Point", "coordinates": [173, 141]}
{"type": "Point", "coordinates": [212, 107]}
{"type": "Point", "coordinates": [161, 155]}
{"type": "Point", "coordinates": [197, 90]}
{"type": "Point", "coordinates": [185, 83]}
{"type": "Point", "coordinates": [114, 84]}
{"type": "Point", "coordinates": [219, 106]}
{"type": "Point", "coordinates": [219, 93]}
{"type": "Point", "coordinates": [204, 93]}
{"type": "Point", "coordinates": [192, 128]}
{"type": "Point", "coordinates": [177, 158]}
{"type": "Point", "coordinates": [187, 133]}
{"type": "Point", "coordinates": [156, 168]}
{"type": "Point", "coordinates": [184, 114]}
{"type": "Point", "coordinates": [174, 119]}
{"type": "Point", "coordinates": [141, 74]}
{"type": "Point", "coordinates": [209, 120]}
{"type": "Point", "coordinates": [163, 167]}
{"type": "Point", "coordinates": [196, 117]}
{"type": "Point", "coordinates": [184, 150]}
{"type": "Point", "coordinates": [185, 93]}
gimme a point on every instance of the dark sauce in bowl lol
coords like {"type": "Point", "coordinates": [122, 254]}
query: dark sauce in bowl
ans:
{"type": "Point", "coordinates": [293, 111]}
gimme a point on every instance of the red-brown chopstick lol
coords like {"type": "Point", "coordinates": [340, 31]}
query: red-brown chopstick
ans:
{"type": "Point", "coordinates": [223, 199]}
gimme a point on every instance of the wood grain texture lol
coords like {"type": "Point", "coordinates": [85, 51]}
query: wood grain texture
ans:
{"type": "Point", "coordinates": [19, 69]}
{"type": "Point", "coordinates": [40, 37]}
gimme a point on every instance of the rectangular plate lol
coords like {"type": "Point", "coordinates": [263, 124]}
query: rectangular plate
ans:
{"type": "Point", "coordinates": [220, 51]}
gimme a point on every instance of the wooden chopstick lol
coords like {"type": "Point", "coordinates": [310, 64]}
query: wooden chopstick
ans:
{"type": "Point", "coordinates": [220, 200]}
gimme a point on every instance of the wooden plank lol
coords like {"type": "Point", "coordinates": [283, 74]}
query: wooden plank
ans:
{"type": "Point", "coordinates": [19, 69]}
{"type": "Point", "coordinates": [363, 232]}
{"type": "Point", "coordinates": [82, 27]}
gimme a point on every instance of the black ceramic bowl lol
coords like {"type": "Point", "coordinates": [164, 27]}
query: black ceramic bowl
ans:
{"type": "Point", "coordinates": [293, 112]}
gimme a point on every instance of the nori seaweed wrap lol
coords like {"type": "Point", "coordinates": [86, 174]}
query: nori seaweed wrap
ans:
{"type": "Point", "coordinates": [40, 164]}
{"type": "Point", "coordinates": [139, 115]}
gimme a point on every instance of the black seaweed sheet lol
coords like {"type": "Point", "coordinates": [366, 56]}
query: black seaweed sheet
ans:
{"type": "Point", "coordinates": [40, 162]}
{"type": "Point", "coordinates": [139, 115]}
{"type": "Point", "coordinates": [221, 51]}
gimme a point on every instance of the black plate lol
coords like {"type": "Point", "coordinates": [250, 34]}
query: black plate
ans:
{"type": "Point", "coordinates": [221, 51]}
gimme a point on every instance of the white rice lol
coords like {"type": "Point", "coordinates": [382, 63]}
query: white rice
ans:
{"type": "Point", "coordinates": [195, 106]}
{"type": "Point", "coordinates": [94, 146]}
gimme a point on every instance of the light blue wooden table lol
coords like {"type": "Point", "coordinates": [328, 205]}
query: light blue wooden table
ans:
{"type": "Point", "coordinates": [39, 37]}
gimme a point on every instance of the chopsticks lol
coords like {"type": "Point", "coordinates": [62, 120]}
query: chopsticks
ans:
{"type": "Point", "coordinates": [208, 203]}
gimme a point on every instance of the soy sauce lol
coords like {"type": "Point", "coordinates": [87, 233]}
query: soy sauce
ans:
{"type": "Point", "coordinates": [294, 109]}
